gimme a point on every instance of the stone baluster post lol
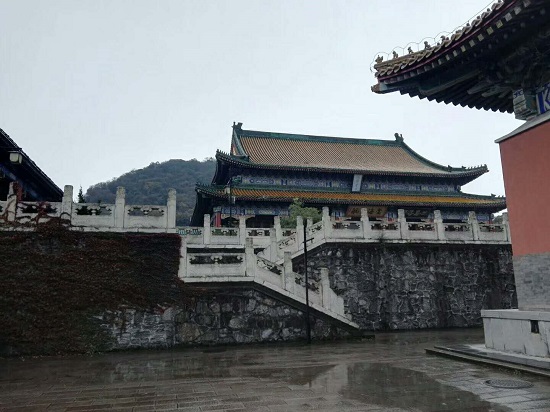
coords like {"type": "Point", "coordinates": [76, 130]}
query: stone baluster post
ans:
{"type": "Point", "coordinates": [506, 225]}
{"type": "Point", "coordinates": [438, 223]}
{"type": "Point", "coordinates": [327, 224]}
{"type": "Point", "coordinates": [171, 209]}
{"type": "Point", "coordinates": [474, 224]}
{"type": "Point", "coordinates": [403, 225]}
{"type": "Point", "coordinates": [289, 282]}
{"type": "Point", "coordinates": [120, 207]}
{"type": "Point", "coordinates": [182, 271]}
{"type": "Point", "coordinates": [367, 230]}
{"type": "Point", "coordinates": [250, 258]}
{"type": "Point", "coordinates": [277, 226]}
{"type": "Point", "coordinates": [273, 246]}
{"type": "Point", "coordinates": [309, 226]}
{"type": "Point", "coordinates": [325, 289]}
{"type": "Point", "coordinates": [67, 203]}
{"type": "Point", "coordinates": [300, 232]}
{"type": "Point", "coordinates": [207, 232]}
{"type": "Point", "coordinates": [242, 230]}
{"type": "Point", "coordinates": [11, 206]}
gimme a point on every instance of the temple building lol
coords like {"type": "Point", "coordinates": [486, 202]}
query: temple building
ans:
{"type": "Point", "coordinates": [500, 61]}
{"type": "Point", "coordinates": [265, 171]}
{"type": "Point", "coordinates": [31, 182]}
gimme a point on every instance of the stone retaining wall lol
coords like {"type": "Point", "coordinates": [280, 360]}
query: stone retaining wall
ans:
{"type": "Point", "coordinates": [412, 286]}
{"type": "Point", "coordinates": [221, 316]}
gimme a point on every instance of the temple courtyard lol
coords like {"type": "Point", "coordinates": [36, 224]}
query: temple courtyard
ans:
{"type": "Point", "coordinates": [389, 373]}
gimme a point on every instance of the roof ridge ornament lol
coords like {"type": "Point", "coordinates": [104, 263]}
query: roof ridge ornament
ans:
{"type": "Point", "coordinates": [427, 43]}
{"type": "Point", "coordinates": [399, 138]}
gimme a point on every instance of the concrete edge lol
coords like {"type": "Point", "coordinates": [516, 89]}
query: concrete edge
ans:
{"type": "Point", "coordinates": [516, 314]}
{"type": "Point", "coordinates": [485, 361]}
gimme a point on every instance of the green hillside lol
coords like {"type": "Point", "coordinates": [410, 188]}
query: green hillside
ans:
{"type": "Point", "coordinates": [150, 185]}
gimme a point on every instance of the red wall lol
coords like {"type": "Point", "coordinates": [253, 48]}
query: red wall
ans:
{"type": "Point", "coordinates": [526, 168]}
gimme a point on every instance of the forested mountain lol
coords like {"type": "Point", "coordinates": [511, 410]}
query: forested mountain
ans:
{"type": "Point", "coordinates": [150, 185]}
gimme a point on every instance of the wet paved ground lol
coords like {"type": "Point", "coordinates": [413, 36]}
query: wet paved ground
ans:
{"type": "Point", "coordinates": [391, 373]}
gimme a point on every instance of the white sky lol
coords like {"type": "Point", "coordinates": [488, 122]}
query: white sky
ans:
{"type": "Point", "coordinates": [91, 89]}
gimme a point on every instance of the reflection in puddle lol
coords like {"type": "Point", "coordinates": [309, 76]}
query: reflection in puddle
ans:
{"type": "Point", "coordinates": [386, 385]}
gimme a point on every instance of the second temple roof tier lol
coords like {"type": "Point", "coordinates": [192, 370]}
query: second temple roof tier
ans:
{"type": "Point", "coordinates": [283, 151]}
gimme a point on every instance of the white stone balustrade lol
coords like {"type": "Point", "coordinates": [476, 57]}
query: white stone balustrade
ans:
{"type": "Point", "coordinates": [275, 241]}
{"type": "Point", "coordinates": [94, 216]}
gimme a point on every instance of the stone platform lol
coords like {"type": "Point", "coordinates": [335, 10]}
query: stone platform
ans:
{"type": "Point", "coordinates": [516, 331]}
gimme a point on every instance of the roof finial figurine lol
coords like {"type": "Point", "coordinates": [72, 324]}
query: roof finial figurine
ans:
{"type": "Point", "coordinates": [399, 137]}
{"type": "Point", "coordinates": [410, 50]}
{"type": "Point", "coordinates": [395, 55]}
{"type": "Point", "coordinates": [427, 45]}
{"type": "Point", "coordinates": [379, 59]}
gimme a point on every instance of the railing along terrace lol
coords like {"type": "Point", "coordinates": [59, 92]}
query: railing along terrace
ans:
{"type": "Point", "coordinates": [277, 240]}
{"type": "Point", "coordinates": [93, 216]}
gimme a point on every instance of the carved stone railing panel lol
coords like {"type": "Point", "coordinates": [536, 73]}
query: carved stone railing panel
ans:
{"type": "Point", "coordinates": [491, 228]}
{"type": "Point", "coordinates": [347, 225]}
{"type": "Point", "coordinates": [317, 227]}
{"type": "Point", "coordinates": [283, 244]}
{"type": "Point", "coordinates": [421, 227]}
{"type": "Point", "coordinates": [190, 231]}
{"type": "Point", "coordinates": [192, 235]}
{"type": "Point", "coordinates": [145, 216]}
{"type": "Point", "coordinates": [92, 209]}
{"type": "Point", "coordinates": [498, 234]}
{"type": "Point", "coordinates": [224, 231]}
{"type": "Point", "coordinates": [34, 208]}
{"type": "Point", "coordinates": [456, 227]}
{"type": "Point", "coordinates": [215, 259]}
{"type": "Point", "coordinates": [268, 265]}
{"type": "Point", "coordinates": [253, 232]}
{"type": "Point", "coordinates": [288, 232]}
{"type": "Point", "coordinates": [28, 212]}
{"type": "Point", "coordinates": [384, 226]}
{"type": "Point", "coordinates": [208, 265]}
{"type": "Point", "coordinates": [146, 211]}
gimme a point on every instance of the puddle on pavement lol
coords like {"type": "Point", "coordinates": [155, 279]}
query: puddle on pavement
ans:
{"type": "Point", "coordinates": [386, 385]}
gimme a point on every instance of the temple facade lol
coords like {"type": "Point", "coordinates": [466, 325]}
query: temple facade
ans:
{"type": "Point", "coordinates": [265, 172]}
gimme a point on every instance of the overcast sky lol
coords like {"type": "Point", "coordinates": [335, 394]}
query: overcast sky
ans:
{"type": "Point", "coordinates": [92, 89]}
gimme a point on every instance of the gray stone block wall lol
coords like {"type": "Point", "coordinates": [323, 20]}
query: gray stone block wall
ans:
{"type": "Point", "coordinates": [407, 286]}
{"type": "Point", "coordinates": [222, 316]}
{"type": "Point", "coordinates": [532, 274]}
{"type": "Point", "coordinates": [384, 286]}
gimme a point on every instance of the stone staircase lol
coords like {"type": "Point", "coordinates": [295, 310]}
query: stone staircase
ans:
{"type": "Point", "coordinates": [224, 265]}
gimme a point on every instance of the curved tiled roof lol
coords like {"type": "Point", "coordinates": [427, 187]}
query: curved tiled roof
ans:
{"type": "Point", "coordinates": [38, 185]}
{"type": "Point", "coordinates": [453, 71]}
{"type": "Point", "coordinates": [429, 199]}
{"type": "Point", "coordinates": [363, 156]}
{"type": "Point", "coordinates": [466, 33]}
